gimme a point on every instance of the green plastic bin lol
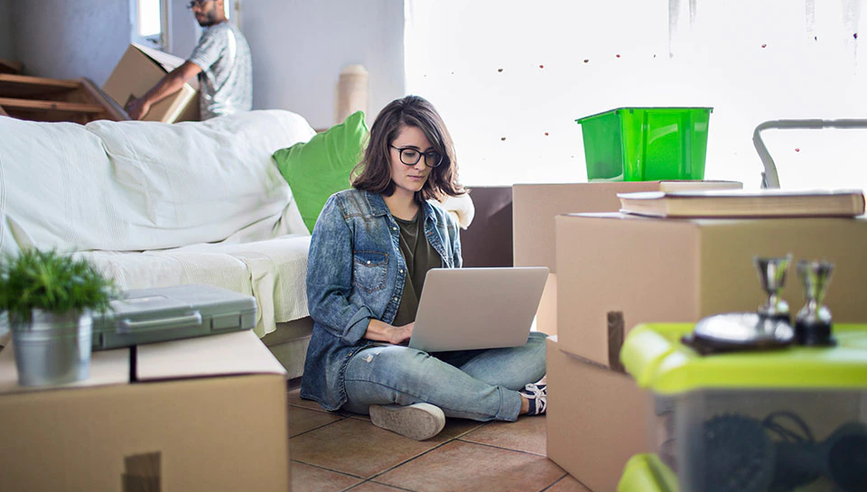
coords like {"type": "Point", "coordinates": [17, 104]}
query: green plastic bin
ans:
{"type": "Point", "coordinates": [792, 419]}
{"type": "Point", "coordinates": [646, 473]}
{"type": "Point", "coordinates": [646, 144]}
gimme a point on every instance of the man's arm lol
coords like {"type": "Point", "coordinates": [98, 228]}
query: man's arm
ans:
{"type": "Point", "coordinates": [171, 83]}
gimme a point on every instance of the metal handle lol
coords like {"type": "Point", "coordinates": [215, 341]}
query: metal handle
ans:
{"type": "Point", "coordinates": [194, 319]}
{"type": "Point", "coordinates": [770, 178]}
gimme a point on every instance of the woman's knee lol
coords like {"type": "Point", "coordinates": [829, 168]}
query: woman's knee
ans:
{"type": "Point", "coordinates": [389, 362]}
{"type": "Point", "coordinates": [538, 340]}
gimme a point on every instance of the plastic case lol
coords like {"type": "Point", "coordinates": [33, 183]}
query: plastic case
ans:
{"type": "Point", "coordinates": [792, 419]}
{"type": "Point", "coordinates": [646, 144]}
{"type": "Point", "coordinates": [172, 313]}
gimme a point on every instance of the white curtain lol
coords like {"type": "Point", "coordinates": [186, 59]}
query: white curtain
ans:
{"type": "Point", "coordinates": [510, 77]}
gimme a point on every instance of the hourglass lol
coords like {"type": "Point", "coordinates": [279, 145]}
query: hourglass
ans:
{"type": "Point", "coordinates": [813, 323]}
{"type": "Point", "coordinates": [772, 275]}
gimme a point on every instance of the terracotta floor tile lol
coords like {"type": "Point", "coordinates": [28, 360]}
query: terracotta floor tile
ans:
{"type": "Point", "coordinates": [374, 487]}
{"type": "Point", "coordinates": [459, 427]}
{"type": "Point", "coordinates": [302, 420]}
{"type": "Point", "coordinates": [294, 399]}
{"type": "Point", "coordinates": [462, 466]}
{"type": "Point", "coordinates": [356, 447]}
{"type": "Point", "coordinates": [528, 434]}
{"type": "Point", "coordinates": [568, 484]}
{"type": "Point", "coordinates": [306, 478]}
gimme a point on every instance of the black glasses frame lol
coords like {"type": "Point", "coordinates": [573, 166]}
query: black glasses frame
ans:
{"type": "Point", "coordinates": [428, 157]}
{"type": "Point", "coordinates": [196, 3]}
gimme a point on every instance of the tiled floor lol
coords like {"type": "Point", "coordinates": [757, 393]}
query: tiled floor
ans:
{"type": "Point", "coordinates": [333, 452]}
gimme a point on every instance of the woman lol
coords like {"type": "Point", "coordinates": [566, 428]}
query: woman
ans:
{"type": "Point", "coordinates": [371, 248]}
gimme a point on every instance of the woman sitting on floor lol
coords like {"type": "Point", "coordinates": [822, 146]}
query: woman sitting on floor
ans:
{"type": "Point", "coordinates": [371, 248]}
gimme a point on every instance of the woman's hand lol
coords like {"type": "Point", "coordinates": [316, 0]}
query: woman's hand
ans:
{"type": "Point", "coordinates": [384, 332]}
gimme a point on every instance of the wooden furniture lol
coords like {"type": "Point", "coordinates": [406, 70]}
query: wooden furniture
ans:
{"type": "Point", "coordinates": [488, 240]}
{"type": "Point", "coordinates": [9, 66]}
{"type": "Point", "coordinates": [45, 99]}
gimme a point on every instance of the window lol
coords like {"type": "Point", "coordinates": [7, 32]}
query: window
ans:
{"type": "Point", "coordinates": [150, 23]}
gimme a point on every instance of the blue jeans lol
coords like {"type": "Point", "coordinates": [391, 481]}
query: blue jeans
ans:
{"type": "Point", "coordinates": [470, 384]}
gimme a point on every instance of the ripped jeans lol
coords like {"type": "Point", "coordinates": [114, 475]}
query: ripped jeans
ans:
{"type": "Point", "coordinates": [470, 384]}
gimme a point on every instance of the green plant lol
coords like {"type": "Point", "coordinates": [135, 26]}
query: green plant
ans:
{"type": "Point", "coordinates": [52, 282]}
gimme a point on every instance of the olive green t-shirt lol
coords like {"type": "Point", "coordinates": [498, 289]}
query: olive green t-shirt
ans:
{"type": "Point", "coordinates": [420, 257]}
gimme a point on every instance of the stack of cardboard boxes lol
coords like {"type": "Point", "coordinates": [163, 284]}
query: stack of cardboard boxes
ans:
{"type": "Point", "coordinates": [611, 272]}
{"type": "Point", "coordinates": [205, 413]}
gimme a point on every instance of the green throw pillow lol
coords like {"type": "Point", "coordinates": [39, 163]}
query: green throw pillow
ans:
{"type": "Point", "coordinates": [320, 167]}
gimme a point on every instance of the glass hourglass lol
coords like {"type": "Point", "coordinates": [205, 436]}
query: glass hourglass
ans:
{"type": "Point", "coordinates": [772, 275]}
{"type": "Point", "coordinates": [813, 322]}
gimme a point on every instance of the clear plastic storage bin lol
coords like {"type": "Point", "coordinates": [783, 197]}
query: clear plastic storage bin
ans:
{"type": "Point", "coordinates": [793, 419]}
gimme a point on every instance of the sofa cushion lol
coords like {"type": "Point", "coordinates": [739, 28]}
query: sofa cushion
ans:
{"type": "Point", "coordinates": [204, 181]}
{"type": "Point", "coordinates": [44, 168]}
{"type": "Point", "coordinates": [320, 167]}
{"type": "Point", "coordinates": [273, 270]}
{"type": "Point", "coordinates": [136, 185]}
{"type": "Point", "coordinates": [277, 273]}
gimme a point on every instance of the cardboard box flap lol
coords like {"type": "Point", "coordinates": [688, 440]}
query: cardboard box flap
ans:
{"type": "Point", "coordinates": [106, 368]}
{"type": "Point", "coordinates": [166, 61]}
{"type": "Point", "coordinates": [215, 355]}
{"type": "Point", "coordinates": [141, 68]}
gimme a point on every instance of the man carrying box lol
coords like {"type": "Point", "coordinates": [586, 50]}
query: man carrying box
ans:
{"type": "Point", "coordinates": [222, 62]}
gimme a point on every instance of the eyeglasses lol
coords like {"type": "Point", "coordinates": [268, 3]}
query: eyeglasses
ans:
{"type": "Point", "coordinates": [410, 157]}
{"type": "Point", "coordinates": [196, 3]}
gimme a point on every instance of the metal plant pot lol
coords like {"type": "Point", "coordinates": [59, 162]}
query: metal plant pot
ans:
{"type": "Point", "coordinates": [52, 348]}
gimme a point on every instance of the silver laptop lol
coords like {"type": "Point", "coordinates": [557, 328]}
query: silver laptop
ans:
{"type": "Point", "coordinates": [477, 308]}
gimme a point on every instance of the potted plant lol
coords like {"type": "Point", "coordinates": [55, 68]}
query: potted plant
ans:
{"type": "Point", "coordinates": [49, 298]}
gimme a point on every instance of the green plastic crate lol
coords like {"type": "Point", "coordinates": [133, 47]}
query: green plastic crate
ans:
{"type": "Point", "coordinates": [646, 144]}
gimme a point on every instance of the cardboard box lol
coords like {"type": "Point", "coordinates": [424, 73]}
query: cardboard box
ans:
{"type": "Point", "coordinates": [534, 207]}
{"type": "Point", "coordinates": [597, 419]}
{"type": "Point", "coordinates": [201, 414]}
{"type": "Point", "coordinates": [138, 71]}
{"type": "Point", "coordinates": [618, 271]}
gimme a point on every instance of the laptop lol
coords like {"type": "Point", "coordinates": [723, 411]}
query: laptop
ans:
{"type": "Point", "coordinates": [477, 308]}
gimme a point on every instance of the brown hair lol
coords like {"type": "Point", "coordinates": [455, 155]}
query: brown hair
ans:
{"type": "Point", "coordinates": [373, 173]}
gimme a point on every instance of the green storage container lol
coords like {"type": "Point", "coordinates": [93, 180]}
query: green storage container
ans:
{"type": "Point", "coordinates": [647, 473]}
{"type": "Point", "coordinates": [792, 419]}
{"type": "Point", "coordinates": [646, 144]}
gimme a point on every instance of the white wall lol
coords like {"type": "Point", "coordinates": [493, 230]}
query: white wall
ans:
{"type": "Point", "coordinates": [70, 39]}
{"type": "Point", "coordinates": [184, 31]}
{"type": "Point", "coordinates": [510, 95]}
{"type": "Point", "coordinates": [7, 51]}
{"type": "Point", "coordinates": [300, 46]}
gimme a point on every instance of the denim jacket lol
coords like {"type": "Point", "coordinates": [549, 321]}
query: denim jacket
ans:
{"type": "Point", "coordinates": [355, 273]}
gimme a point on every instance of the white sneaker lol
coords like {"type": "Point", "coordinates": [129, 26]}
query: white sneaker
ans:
{"type": "Point", "coordinates": [537, 396]}
{"type": "Point", "coordinates": [418, 421]}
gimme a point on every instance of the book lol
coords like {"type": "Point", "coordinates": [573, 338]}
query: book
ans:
{"type": "Point", "coordinates": [683, 184]}
{"type": "Point", "coordinates": [744, 203]}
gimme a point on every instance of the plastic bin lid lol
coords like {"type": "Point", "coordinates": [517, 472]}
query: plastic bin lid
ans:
{"type": "Point", "coordinates": [655, 357]}
{"type": "Point", "coordinates": [679, 108]}
{"type": "Point", "coordinates": [647, 473]}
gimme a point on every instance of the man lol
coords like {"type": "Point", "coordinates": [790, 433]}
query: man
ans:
{"type": "Point", "coordinates": [222, 62]}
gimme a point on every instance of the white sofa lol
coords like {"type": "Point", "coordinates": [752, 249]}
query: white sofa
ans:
{"type": "Point", "coordinates": [156, 204]}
